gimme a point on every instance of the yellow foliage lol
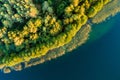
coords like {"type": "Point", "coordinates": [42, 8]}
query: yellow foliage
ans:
{"type": "Point", "coordinates": [33, 12]}
{"type": "Point", "coordinates": [38, 22]}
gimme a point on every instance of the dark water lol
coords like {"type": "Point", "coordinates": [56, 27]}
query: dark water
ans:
{"type": "Point", "coordinates": [97, 60]}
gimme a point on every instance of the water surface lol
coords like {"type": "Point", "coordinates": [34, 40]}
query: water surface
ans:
{"type": "Point", "coordinates": [97, 60]}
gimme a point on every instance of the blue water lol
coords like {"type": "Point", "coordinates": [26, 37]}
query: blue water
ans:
{"type": "Point", "coordinates": [98, 60]}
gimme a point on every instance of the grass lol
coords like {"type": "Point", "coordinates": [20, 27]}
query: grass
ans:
{"type": "Point", "coordinates": [109, 10]}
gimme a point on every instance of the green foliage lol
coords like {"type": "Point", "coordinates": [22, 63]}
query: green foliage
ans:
{"type": "Point", "coordinates": [13, 11]}
{"type": "Point", "coordinates": [96, 6]}
{"type": "Point", "coordinates": [54, 25]}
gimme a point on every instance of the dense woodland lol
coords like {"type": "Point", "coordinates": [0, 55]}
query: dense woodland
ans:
{"type": "Point", "coordinates": [29, 29]}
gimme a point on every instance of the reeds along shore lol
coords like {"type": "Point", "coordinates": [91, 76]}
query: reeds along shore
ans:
{"type": "Point", "coordinates": [55, 26]}
{"type": "Point", "coordinates": [110, 9]}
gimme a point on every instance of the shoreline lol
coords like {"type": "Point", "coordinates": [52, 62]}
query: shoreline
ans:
{"type": "Point", "coordinates": [109, 10]}
{"type": "Point", "coordinates": [45, 60]}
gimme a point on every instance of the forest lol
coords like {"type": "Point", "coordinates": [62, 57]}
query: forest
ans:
{"type": "Point", "coordinates": [30, 28]}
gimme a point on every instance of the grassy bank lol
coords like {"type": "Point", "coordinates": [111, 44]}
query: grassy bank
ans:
{"type": "Point", "coordinates": [109, 10]}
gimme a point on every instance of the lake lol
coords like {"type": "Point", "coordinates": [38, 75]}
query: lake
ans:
{"type": "Point", "coordinates": [98, 59]}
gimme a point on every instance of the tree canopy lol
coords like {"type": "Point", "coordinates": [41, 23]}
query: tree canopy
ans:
{"type": "Point", "coordinates": [31, 28]}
